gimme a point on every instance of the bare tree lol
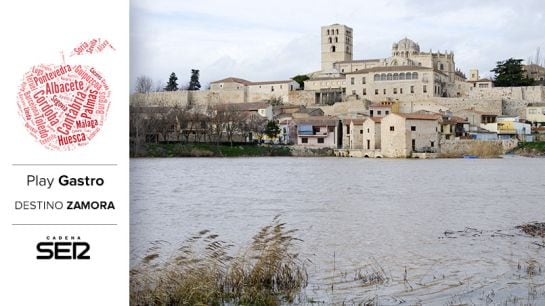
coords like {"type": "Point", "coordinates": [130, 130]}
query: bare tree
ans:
{"type": "Point", "coordinates": [143, 84]}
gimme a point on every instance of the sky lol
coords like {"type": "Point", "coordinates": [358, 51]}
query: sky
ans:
{"type": "Point", "coordinates": [276, 40]}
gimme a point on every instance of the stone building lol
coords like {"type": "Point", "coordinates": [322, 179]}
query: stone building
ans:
{"type": "Point", "coordinates": [248, 91]}
{"type": "Point", "coordinates": [407, 74]}
{"type": "Point", "coordinates": [318, 131]}
{"type": "Point", "coordinates": [403, 134]}
{"type": "Point", "coordinates": [371, 134]}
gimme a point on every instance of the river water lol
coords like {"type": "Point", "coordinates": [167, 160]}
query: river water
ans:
{"type": "Point", "coordinates": [439, 232]}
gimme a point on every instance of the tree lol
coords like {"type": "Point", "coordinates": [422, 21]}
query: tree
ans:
{"type": "Point", "coordinates": [272, 129]}
{"type": "Point", "coordinates": [194, 81]}
{"type": "Point", "coordinates": [510, 73]}
{"type": "Point", "coordinates": [301, 78]}
{"type": "Point", "coordinates": [143, 84]}
{"type": "Point", "coordinates": [172, 85]}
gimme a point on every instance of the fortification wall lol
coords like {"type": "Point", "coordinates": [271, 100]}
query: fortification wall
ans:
{"type": "Point", "coordinates": [527, 93]}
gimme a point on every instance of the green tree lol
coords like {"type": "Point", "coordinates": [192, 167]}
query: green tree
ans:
{"type": "Point", "coordinates": [510, 73]}
{"type": "Point", "coordinates": [272, 129]}
{"type": "Point", "coordinates": [172, 85]}
{"type": "Point", "coordinates": [301, 78]}
{"type": "Point", "coordinates": [194, 81]}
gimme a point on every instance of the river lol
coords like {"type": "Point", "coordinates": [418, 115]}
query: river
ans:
{"type": "Point", "coordinates": [439, 231]}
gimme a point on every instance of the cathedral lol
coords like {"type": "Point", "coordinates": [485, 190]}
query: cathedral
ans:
{"type": "Point", "coordinates": [407, 74]}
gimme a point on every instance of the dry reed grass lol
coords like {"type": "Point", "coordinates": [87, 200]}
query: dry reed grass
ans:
{"type": "Point", "coordinates": [201, 271]}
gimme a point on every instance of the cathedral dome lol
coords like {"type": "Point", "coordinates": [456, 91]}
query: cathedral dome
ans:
{"type": "Point", "coordinates": [406, 45]}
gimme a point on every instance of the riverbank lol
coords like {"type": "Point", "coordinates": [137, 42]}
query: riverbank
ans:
{"type": "Point", "coordinates": [530, 149]}
{"type": "Point", "coordinates": [211, 150]}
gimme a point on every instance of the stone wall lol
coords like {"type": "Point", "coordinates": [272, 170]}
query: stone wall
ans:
{"type": "Point", "coordinates": [528, 93]}
{"type": "Point", "coordinates": [456, 148]}
{"type": "Point", "coordinates": [302, 97]}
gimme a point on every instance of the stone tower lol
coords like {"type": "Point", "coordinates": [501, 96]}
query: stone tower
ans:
{"type": "Point", "coordinates": [473, 75]}
{"type": "Point", "coordinates": [336, 45]}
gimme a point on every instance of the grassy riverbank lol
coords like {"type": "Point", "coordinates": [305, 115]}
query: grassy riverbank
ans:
{"type": "Point", "coordinates": [531, 149]}
{"type": "Point", "coordinates": [202, 272]}
{"type": "Point", "coordinates": [239, 150]}
{"type": "Point", "coordinates": [210, 150]}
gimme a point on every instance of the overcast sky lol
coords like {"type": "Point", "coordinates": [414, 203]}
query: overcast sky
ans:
{"type": "Point", "coordinates": [275, 40]}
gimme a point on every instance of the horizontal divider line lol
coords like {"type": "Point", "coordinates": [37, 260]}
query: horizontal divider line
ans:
{"type": "Point", "coordinates": [64, 164]}
{"type": "Point", "coordinates": [45, 224]}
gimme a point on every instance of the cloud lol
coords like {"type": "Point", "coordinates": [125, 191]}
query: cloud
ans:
{"type": "Point", "coordinates": [260, 40]}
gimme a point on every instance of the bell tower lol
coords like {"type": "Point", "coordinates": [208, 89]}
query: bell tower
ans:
{"type": "Point", "coordinates": [336, 45]}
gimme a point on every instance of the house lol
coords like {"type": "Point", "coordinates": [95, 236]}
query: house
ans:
{"type": "Point", "coordinates": [353, 133]}
{"type": "Point", "coordinates": [263, 109]}
{"type": "Point", "coordinates": [244, 90]}
{"type": "Point", "coordinates": [476, 118]}
{"type": "Point", "coordinates": [383, 108]}
{"type": "Point", "coordinates": [509, 127]}
{"type": "Point", "coordinates": [371, 133]}
{"type": "Point", "coordinates": [452, 127]}
{"type": "Point", "coordinates": [535, 114]}
{"type": "Point", "coordinates": [403, 134]}
{"type": "Point", "coordinates": [318, 131]}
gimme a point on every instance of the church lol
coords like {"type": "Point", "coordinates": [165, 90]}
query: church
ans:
{"type": "Point", "coordinates": [407, 74]}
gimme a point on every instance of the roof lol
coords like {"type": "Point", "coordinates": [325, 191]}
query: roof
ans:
{"type": "Point", "coordinates": [415, 116]}
{"type": "Point", "coordinates": [242, 106]}
{"type": "Point", "coordinates": [233, 80]}
{"type": "Point", "coordinates": [248, 83]}
{"type": "Point", "coordinates": [359, 61]}
{"type": "Point", "coordinates": [380, 105]}
{"type": "Point", "coordinates": [327, 79]}
{"type": "Point", "coordinates": [480, 80]}
{"type": "Point", "coordinates": [376, 119]}
{"type": "Point", "coordinates": [538, 104]}
{"type": "Point", "coordinates": [271, 82]}
{"type": "Point", "coordinates": [318, 120]}
{"type": "Point", "coordinates": [389, 68]}
{"type": "Point", "coordinates": [357, 121]}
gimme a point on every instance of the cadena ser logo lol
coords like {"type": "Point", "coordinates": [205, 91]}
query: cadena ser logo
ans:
{"type": "Point", "coordinates": [60, 247]}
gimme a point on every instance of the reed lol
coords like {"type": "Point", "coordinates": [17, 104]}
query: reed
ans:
{"type": "Point", "coordinates": [201, 272]}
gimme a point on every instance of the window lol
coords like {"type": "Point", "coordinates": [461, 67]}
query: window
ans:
{"type": "Point", "coordinates": [330, 129]}
{"type": "Point", "coordinates": [395, 91]}
{"type": "Point", "coordinates": [379, 112]}
{"type": "Point", "coordinates": [401, 90]}
{"type": "Point", "coordinates": [432, 144]}
{"type": "Point", "coordinates": [304, 140]}
{"type": "Point", "coordinates": [424, 89]}
{"type": "Point", "coordinates": [342, 70]}
{"type": "Point", "coordinates": [272, 88]}
{"type": "Point", "coordinates": [441, 66]}
{"type": "Point", "coordinates": [376, 77]}
{"type": "Point", "coordinates": [392, 128]}
{"type": "Point", "coordinates": [368, 144]}
{"type": "Point", "coordinates": [368, 131]}
{"type": "Point", "coordinates": [413, 144]}
{"type": "Point", "coordinates": [376, 91]}
{"type": "Point", "coordinates": [327, 32]}
{"type": "Point", "coordinates": [413, 128]}
{"type": "Point", "coordinates": [337, 31]}
{"type": "Point", "coordinates": [351, 81]}
{"type": "Point", "coordinates": [415, 76]}
{"type": "Point", "coordinates": [389, 77]}
{"type": "Point", "coordinates": [384, 91]}
{"type": "Point", "coordinates": [348, 130]}
{"type": "Point", "coordinates": [361, 131]}
{"type": "Point", "coordinates": [362, 79]}
{"type": "Point", "coordinates": [402, 76]}
{"type": "Point", "coordinates": [336, 39]}
{"type": "Point", "coordinates": [353, 92]}
{"type": "Point", "coordinates": [386, 112]}
{"type": "Point", "coordinates": [320, 140]}
{"type": "Point", "coordinates": [332, 48]}
{"type": "Point", "coordinates": [412, 89]}
{"type": "Point", "coordinates": [364, 92]}
{"type": "Point", "coordinates": [330, 41]}
{"type": "Point", "coordinates": [396, 76]}
{"type": "Point", "coordinates": [383, 77]}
